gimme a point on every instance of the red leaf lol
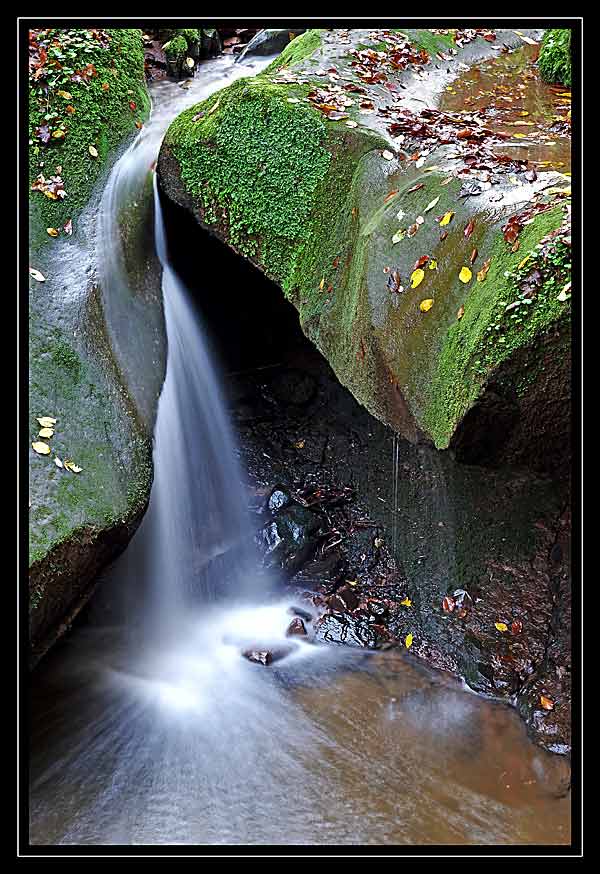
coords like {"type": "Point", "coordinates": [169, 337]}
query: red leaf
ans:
{"type": "Point", "coordinates": [469, 228]}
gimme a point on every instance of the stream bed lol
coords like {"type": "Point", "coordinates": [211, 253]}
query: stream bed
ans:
{"type": "Point", "coordinates": [176, 739]}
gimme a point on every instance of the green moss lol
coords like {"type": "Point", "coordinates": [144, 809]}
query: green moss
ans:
{"type": "Point", "coordinates": [176, 49]}
{"type": "Point", "coordinates": [101, 119]}
{"type": "Point", "coordinates": [254, 163]}
{"type": "Point", "coordinates": [431, 42]}
{"type": "Point", "coordinates": [555, 57]}
{"type": "Point", "coordinates": [488, 335]}
{"type": "Point", "coordinates": [65, 356]}
{"type": "Point", "coordinates": [297, 50]}
{"type": "Point", "coordinates": [190, 34]}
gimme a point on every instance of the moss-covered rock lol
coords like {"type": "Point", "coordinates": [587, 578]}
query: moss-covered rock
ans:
{"type": "Point", "coordinates": [555, 56]}
{"type": "Point", "coordinates": [104, 104]}
{"type": "Point", "coordinates": [316, 204]}
{"type": "Point", "coordinates": [104, 402]}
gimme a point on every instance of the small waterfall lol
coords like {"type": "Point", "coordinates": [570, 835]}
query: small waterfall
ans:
{"type": "Point", "coordinates": [197, 534]}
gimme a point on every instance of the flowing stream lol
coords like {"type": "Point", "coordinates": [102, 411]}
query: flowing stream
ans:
{"type": "Point", "coordinates": [168, 736]}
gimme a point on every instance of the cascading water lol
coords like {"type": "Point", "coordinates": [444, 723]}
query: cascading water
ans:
{"type": "Point", "coordinates": [180, 740]}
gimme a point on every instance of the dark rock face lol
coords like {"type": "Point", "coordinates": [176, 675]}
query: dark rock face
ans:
{"type": "Point", "coordinates": [398, 528]}
{"type": "Point", "coordinates": [289, 538]}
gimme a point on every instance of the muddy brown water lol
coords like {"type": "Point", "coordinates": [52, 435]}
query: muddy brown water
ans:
{"type": "Point", "coordinates": [192, 744]}
{"type": "Point", "coordinates": [518, 104]}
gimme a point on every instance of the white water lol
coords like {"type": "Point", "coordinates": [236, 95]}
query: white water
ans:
{"type": "Point", "coordinates": [176, 739]}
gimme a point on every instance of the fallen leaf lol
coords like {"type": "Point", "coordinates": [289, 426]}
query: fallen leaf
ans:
{"type": "Point", "coordinates": [300, 444]}
{"type": "Point", "coordinates": [292, 100]}
{"type": "Point", "coordinates": [431, 204]}
{"type": "Point", "coordinates": [70, 109]}
{"type": "Point", "coordinates": [408, 641]}
{"type": "Point", "coordinates": [41, 448]}
{"type": "Point", "coordinates": [58, 462]}
{"type": "Point", "coordinates": [416, 187]}
{"type": "Point", "coordinates": [546, 703]}
{"type": "Point", "coordinates": [501, 626]}
{"type": "Point", "coordinates": [473, 256]}
{"type": "Point", "coordinates": [131, 105]}
{"type": "Point", "coordinates": [432, 264]}
{"type": "Point", "coordinates": [446, 218]}
{"type": "Point", "coordinates": [469, 229]}
{"type": "Point", "coordinates": [406, 602]}
{"type": "Point", "coordinates": [52, 232]}
{"type": "Point", "coordinates": [65, 95]}
{"type": "Point", "coordinates": [105, 86]}
{"type": "Point", "coordinates": [68, 227]}
{"type": "Point", "coordinates": [139, 125]}
{"type": "Point", "coordinates": [93, 151]}
{"type": "Point", "coordinates": [416, 278]}
{"type": "Point", "coordinates": [70, 465]}
{"type": "Point", "coordinates": [37, 275]}
{"type": "Point", "coordinates": [484, 270]}
{"type": "Point", "coordinates": [426, 305]}
{"type": "Point", "coordinates": [399, 235]}
{"type": "Point", "coordinates": [448, 604]}
{"type": "Point", "coordinates": [387, 155]}
{"type": "Point", "coordinates": [460, 313]}
{"type": "Point", "coordinates": [465, 274]}
{"type": "Point", "coordinates": [351, 123]}
{"type": "Point", "coordinates": [58, 135]}
{"type": "Point", "coordinates": [214, 106]}
{"type": "Point", "coordinates": [47, 421]}
{"type": "Point", "coordinates": [46, 432]}
{"type": "Point", "coordinates": [516, 627]}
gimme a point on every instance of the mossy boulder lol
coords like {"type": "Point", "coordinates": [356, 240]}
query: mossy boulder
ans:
{"type": "Point", "coordinates": [316, 204]}
{"type": "Point", "coordinates": [555, 56]}
{"type": "Point", "coordinates": [103, 399]}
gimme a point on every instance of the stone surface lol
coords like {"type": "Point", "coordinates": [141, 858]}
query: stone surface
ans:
{"type": "Point", "coordinates": [328, 243]}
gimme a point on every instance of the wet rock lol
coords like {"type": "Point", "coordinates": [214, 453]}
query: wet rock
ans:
{"type": "Point", "coordinates": [289, 539]}
{"type": "Point", "coordinates": [344, 599]}
{"type": "Point", "coordinates": [268, 656]}
{"type": "Point", "coordinates": [303, 614]}
{"type": "Point", "coordinates": [352, 630]}
{"type": "Point", "coordinates": [270, 41]}
{"type": "Point", "coordinates": [279, 499]}
{"type": "Point", "coordinates": [296, 627]}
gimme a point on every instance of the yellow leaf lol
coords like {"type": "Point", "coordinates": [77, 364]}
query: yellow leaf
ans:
{"type": "Point", "coordinates": [46, 421]}
{"type": "Point", "coordinates": [57, 461]}
{"type": "Point", "coordinates": [321, 284]}
{"type": "Point", "coordinates": [546, 703]}
{"type": "Point", "coordinates": [41, 448]}
{"type": "Point", "coordinates": [70, 465]}
{"type": "Point", "coordinates": [465, 274]}
{"type": "Point", "coordinates": [300, 444]}
{"type": "Point", "coordinates": [214, 107]}
{"type": "Point", "coordinates": [460, 313]}
{"type": "Point", "coordinates": [58, 135]}
{"type": "Point", "coordinates": [501, 626]}
{"type": "Point", "coordinates": [426, 305]}
{"type": "Point", "coordinates": [93, 151]}
{"type": "Point", "coordinates": [64, 94]}
{"type": "Point", "coordinates": [408, 641]}
{"type": "Point", "coordinates": [523, 262]}
{"type": "Point", "coordinates": [416, 277]}
{"type": "Point", "coordinates": [432, 264]}
{"type": "Point", "coordinates": [446, 218]}
{"type": "Point", "coordinates": [407, 602]}
{"type": "Point", "coordinates": [46, 432]}
{"type": "Point", "coordinates": [52, 232]}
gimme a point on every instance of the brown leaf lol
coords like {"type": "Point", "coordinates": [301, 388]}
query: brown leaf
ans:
{"type": "Point", "coordinates": [469, 228]}
{"type": "Point", "coordinates": [448, 604]}
{"type": "Point", "coordinates": [473, 257]}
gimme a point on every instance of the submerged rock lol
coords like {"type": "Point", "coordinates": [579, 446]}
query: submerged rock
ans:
{"type": "Point", "coordinates": [296, 627]}
{"type": "Point", "coordinates": [303, 614]}
{"type": "Point", "coordinates": [268, 656]}
{"type": "Point", "coordinates": [289, 539]}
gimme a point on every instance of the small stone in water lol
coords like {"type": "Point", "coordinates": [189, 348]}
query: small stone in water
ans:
{"type": "Point", "coordinates": [262, 657]}
{"type": "Point", "coordinates": [296, 627]}
{"type": "Point", "coordinates": [298, 611]}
